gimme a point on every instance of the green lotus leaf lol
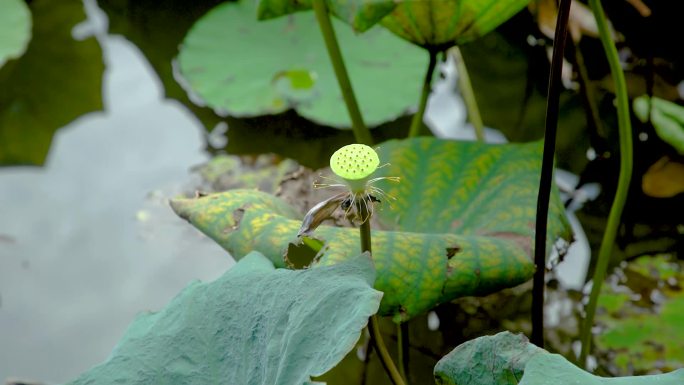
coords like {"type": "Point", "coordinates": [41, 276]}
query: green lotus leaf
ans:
{"type": "Point", "coordinates": [544, 369]}
{"type": "Point", "coordinates": [360, 14]}
{"type": "Point", "coordinates": [56, 80]}
{"type": "Point", "coordinates": [243, 67]}
{"type": "Point", "coordinates": [667, 119]}
{"type": "Point", "coordinates": [505, 359]}
{"type": "Point", "coordinates": [462, 223]}
{"type": "Point", "coordinates": [254, 325]}
{"type": "Point", "coordinates": [444, 23]}
{"type": "Point", "coordinates": [489, 360]}
{"type": "Point", "coordinates": [15, 29]}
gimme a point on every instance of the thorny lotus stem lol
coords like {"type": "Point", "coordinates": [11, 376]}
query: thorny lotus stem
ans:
{"type": "Point", "coordinates": [361, 132]}
{"type": "Point", "coordinates": [625, 130]}
{"type": "Point", "coordinates": [373, 325]}
{"type": "Point", "coordinates": [546, 178]}
{"type": "Point", "coordinates": [417, 121]}
{"type": "Point", "coordinates": [468, 94]}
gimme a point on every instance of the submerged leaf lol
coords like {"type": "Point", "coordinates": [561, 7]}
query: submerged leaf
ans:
{"type": "Point", "coordinates": [641, 327]}
{"type": "Point", "coordinates": [444, 23]}
{"type": "Point", "coordinates": [254, 325]}
{"type": "Point", "coordinates": [462, 224]}
{"type": "Point", "coordinates": [230, 60]}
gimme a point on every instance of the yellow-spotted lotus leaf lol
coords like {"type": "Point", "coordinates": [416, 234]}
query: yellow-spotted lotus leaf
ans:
{"type": "Point", "coordinates": [444, 23]}
{"type": "Point", "coordinates": [243, 67]}
{"type": "Point", "coordinates": [15, 29]}
{"type": "Point", "coordinates": [360, 14]}
{"type": "Point", "coordinates": [254, 325]}
{"type": "Point", "coordinates": [462, 223]}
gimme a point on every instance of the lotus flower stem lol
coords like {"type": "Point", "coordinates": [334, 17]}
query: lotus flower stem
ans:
{"type": "Point", "coordinates": [625, 130]}
{"type": "Point", "coordinates": [468, 94]}
{"type": "Point", "coordinates": [546, 178]}
{"type": "Point", "coordinates": [364, 229]}
{"type": "Point", "coordinates": [417, 121]}
{"type": "Point", "coordinates": [373, 322]}
{"type": "Point", "coordinates": [361, 132]}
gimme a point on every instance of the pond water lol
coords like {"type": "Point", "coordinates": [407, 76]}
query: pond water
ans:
{"type": "Point", "coordinates": [89, 241]}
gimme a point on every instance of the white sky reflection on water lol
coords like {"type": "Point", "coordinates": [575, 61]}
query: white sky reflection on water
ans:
{"type": "Point", "coordinates": [89, 241]}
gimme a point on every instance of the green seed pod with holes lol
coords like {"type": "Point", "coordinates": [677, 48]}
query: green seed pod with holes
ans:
{"type": "Point", "coordinates": [355, 163]}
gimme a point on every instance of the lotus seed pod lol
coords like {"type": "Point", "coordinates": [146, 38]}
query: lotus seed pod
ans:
{"type": "Point", "coordinates": [354, 161]}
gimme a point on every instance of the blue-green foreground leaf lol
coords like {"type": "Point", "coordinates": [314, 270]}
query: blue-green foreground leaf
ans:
{"type": "Point", "coordinates": [554, 369]}
{"type": "Point", "coordinates": [488, 360]}
{"type": "Point", "coordinates": [508, 359]}
{"type": "Point", "coordinates": [254, 325]}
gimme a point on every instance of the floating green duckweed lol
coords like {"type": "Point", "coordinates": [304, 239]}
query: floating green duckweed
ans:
{"type": "Point", "coordinates": [354, 161]}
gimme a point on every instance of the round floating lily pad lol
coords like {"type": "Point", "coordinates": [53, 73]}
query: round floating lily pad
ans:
{"type": "Point", "coordinates": [230, 60]}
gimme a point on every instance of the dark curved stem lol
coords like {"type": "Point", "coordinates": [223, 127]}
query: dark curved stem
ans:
{"type": "Point", "coordinates": [625, 130]}
{"type": "Point", "coordinates": [546, 178]}
{"type": "Point", "coordinates": [361, 132]}
{"type": "Point", "coordinates": [417, 121]}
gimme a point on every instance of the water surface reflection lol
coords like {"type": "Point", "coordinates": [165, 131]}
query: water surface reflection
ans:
{"type": "Point", "coordinates": [88, 241]}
